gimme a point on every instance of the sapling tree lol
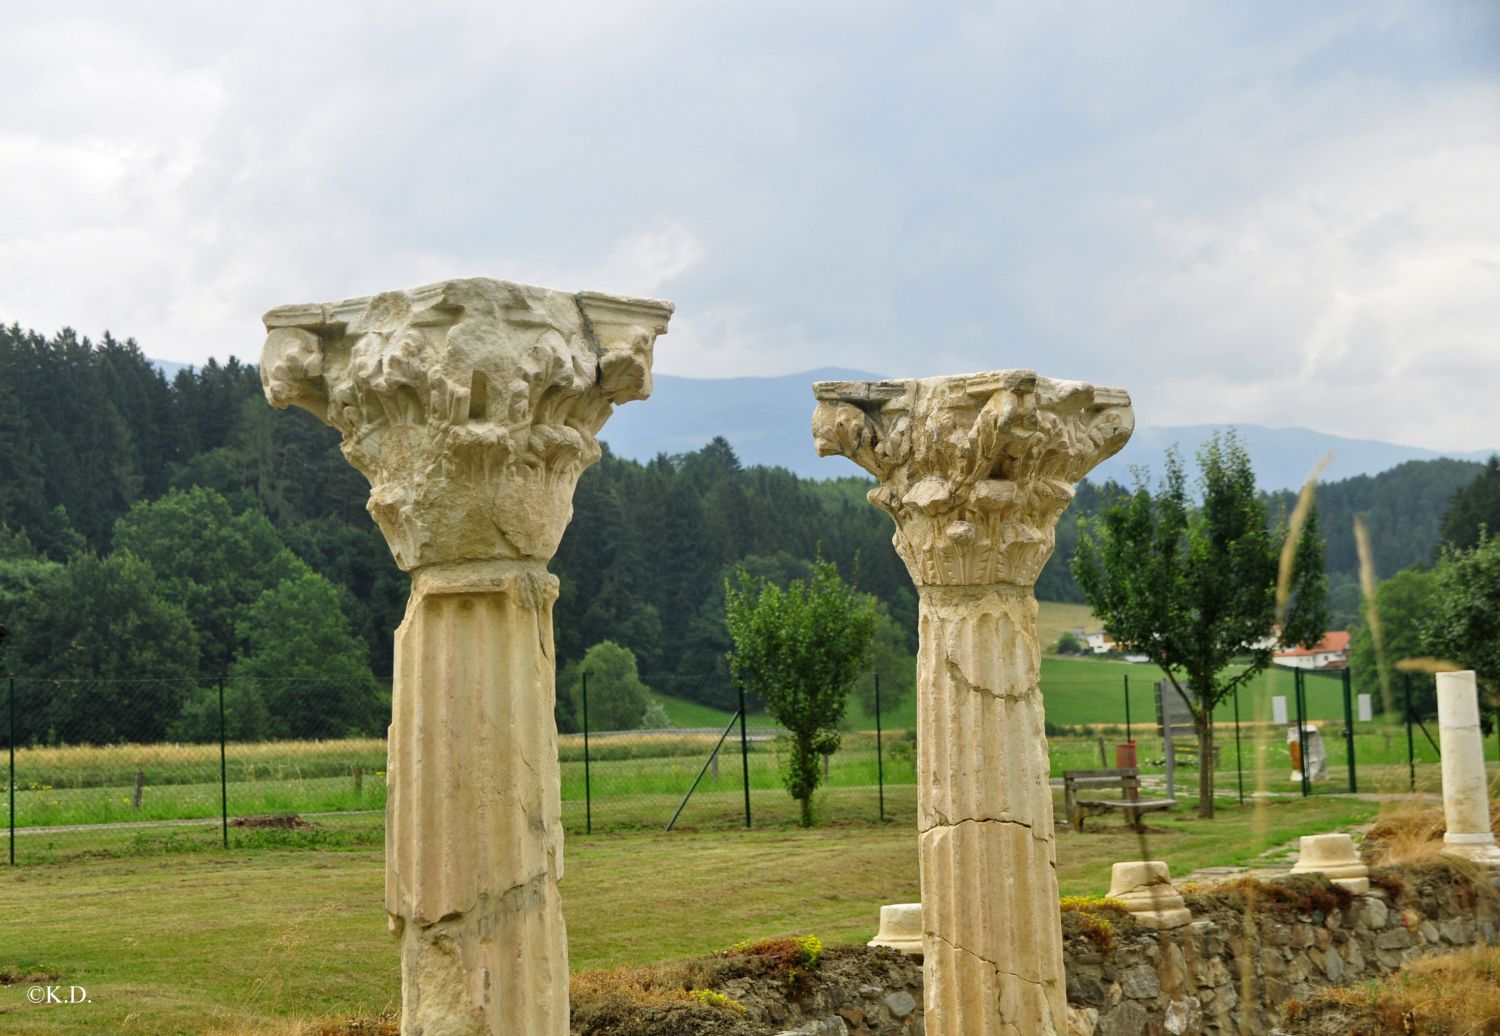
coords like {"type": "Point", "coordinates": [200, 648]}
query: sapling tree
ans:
{"type": "Point", "coordinates": [1193, 584]}
{"type": "Point", "coordinates": [800, 649]}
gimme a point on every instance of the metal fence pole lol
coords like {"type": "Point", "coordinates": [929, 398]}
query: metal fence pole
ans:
{"type": "Point", "coordinates": [706, 763]}
{"type": "Point", "coordinates": [1239, 758]}
{"type": "Point", "coordinates": [744, 753]}
{"type": "Point", "coordinates": [1411, 748]}
{"type": "Point", "coordinates": [1349, 728]}
{"type": "Point", "coordinates": [12, 771]}
{"type": "Point", "coordinates": [1128, 739]}
{"type": "Point", "coordinates": [879, 763]}
{"type": "Point", "coordinates": [223, 766]}
{"type": "Point", "coordinates": [588, 801]}
{"type": "Point", "coordinates": [1301, 730]}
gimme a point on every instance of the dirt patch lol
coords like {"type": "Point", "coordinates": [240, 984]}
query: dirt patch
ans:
{"type": "Point", "coordinates": [283, 821]}
{"type": "Point", "coordinates": [362, 1027]}
{"type": "Point", "coordinates": [15, 975]}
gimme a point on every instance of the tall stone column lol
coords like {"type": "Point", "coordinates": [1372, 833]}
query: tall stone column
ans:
{"type": "Point", "coordinates": [1466, 791]}
{"type": "Point", "coordinates": [472, 407]}
{"type": "Point", "coordinates": [975, 470]}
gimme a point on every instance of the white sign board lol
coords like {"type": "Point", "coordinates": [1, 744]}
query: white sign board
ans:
{"type": "Point", "coordinates": [1366, 714]}
{"type": "Point", "coordinates": [1278, 709]}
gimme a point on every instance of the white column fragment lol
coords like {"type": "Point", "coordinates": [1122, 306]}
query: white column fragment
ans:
{"type": "Point", "coordinates": [975, 470]}
{"type": "Point", "coordinates": [1466, 792]}
{"type": "Point", "coordinates": [472, 407]}
{"type": "Point", "coordinates": [1335, 857]}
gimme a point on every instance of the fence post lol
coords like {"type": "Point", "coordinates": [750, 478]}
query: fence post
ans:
{"type": "Point", "coordinates": [879, 763]}
{"type": "Point", "coordinates": [1128, 738]}
{"type": "Point", "coordinates": [588, 801]}
{"type": "Point", "coordinates": [12, 770]}
{"type": "Point", "coordinates": [1301, 731]}
{"type": "Point", "coordinates": [1239, 758]}
{"type": "Point", "coordinates": [744, 752]}
{"type": "Point", "coordinates": [1411, 748]}
{"type": "Point", "coordinates": [223, 766]}
{"type": "Point", "coordinates": [1349, 728]}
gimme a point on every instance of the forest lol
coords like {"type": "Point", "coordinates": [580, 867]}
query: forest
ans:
{"type": "Point", "coordinates": [182, 529]}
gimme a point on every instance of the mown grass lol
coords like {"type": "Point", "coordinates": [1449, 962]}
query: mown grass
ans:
{"type": "Point", "coordinates": [230, 941]}
{"type": "Point", "coordinates": [636, 782]}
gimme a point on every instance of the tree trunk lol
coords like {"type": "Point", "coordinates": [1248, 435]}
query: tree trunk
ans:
{"type": "Point", "coordinates": [1206, 764]}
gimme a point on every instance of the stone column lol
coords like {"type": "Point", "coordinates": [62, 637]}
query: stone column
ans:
{"type": "Point", "coordinates": [975, 470]}
{"type": "Point", "coordinates": [1466, 792]}
{"type": "Point", "coordinates": [472, 407]}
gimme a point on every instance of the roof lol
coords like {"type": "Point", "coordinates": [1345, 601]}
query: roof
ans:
{"type": "Point", "coordinates": [1335, 642]}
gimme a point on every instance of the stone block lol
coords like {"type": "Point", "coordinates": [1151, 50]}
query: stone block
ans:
{"type": "Point", "coordinates": [1333, 856]}
{"type": "Point", "coordinates": [900, 928]}
{"type": "Point", "coordinates": [1145, 887]}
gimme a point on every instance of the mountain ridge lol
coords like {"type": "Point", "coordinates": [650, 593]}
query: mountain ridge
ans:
{"type": "Point", "coordinates": [767, 419]}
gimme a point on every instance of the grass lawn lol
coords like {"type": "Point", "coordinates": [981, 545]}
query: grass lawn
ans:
{"type": "Point", "coordinates": [206, 940]}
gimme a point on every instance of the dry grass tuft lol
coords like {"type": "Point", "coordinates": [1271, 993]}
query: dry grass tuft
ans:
{"type": "Point", "coordinates": [1294, 894]}
{"type": "Point", "coordinates": [655, 1000]}
{"type": "Point", "coordinates": [1454, 994]}
{"type": "Point", "coordinates": [1412, 835]}
{"type": "Point", "coordinates": [649, 985]}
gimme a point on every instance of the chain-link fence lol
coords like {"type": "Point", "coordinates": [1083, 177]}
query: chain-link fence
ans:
{"type": "Point", "coordinates": [92, 766]}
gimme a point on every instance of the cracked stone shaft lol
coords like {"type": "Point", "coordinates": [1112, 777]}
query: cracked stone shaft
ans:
{"type": "Point", "coordinates": [975, 470]}
{"type": "Point", "coordinates": [993, 936]}
{"type": "Point", "coordinates": [472, 406]}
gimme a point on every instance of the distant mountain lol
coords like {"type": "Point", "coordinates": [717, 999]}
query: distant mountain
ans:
{"type": "Point", "coordinates": [168, 367]}
{"type": "Point", "coordinates": [1282, 457]}
{"type": "Point", "coordinates": [768, 421]}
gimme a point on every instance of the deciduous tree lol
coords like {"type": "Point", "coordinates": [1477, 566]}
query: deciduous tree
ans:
{"type": "Point", "coordinates": [800, 649]}
{"type": "Point", "coordinates": [1192, 585]}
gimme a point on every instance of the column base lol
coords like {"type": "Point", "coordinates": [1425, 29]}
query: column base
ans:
{"type": "Point", "coordinates": [1476, 848]}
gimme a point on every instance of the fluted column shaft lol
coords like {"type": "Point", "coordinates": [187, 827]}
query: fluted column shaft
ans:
{"type": "Point", "coordinates": [975, 469]}
{"type": "Point", "coordinates": [993, 933]}
{"type": "Point", "coordinates": [472, 406]}
{"type": "Point", "coordinates": [474, 836]}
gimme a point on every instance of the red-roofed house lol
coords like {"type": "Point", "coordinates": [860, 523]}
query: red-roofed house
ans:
{"type": "Point", "coordinates": [1332, 652]}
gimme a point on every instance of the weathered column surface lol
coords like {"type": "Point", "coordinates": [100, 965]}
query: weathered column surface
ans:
{"type": "Point", "coordinates": [472, 407]}
{"type": "Point", "coordinates": [976, 469]}
{"type": "Point", "coordinates": [1466, 792]}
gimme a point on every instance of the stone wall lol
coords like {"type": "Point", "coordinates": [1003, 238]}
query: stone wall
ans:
{"type": "Point", "coordinates": [1251, 948]}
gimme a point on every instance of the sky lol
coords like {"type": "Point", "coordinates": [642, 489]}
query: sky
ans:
{"type": "Point", "coordinates": [1278, 213]}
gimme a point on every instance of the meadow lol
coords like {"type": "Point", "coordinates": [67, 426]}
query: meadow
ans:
{"type": "Point", "coordinates": [169, 933]}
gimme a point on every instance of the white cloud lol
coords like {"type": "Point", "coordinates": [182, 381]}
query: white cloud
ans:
{"type": "Point", "coordinates": [1267, 215]}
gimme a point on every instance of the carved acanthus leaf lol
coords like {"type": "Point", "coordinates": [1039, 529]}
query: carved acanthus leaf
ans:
{"type": "Point", "coordinates": [472, 406]}
{"type": "Point", "coordinates": [975, 469]}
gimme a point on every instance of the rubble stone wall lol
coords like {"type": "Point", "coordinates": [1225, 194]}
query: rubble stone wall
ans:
{"type": "Point", "coordinates": [1232, 970]}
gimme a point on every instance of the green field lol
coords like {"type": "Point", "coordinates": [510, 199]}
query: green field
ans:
{"type": "Point", "coordinates": [634, 782]}
{"type": "Point", "coordinates": [174, 935]}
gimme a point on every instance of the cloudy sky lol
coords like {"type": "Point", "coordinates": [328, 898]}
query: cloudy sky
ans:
{"type": "Point", "coordinates": [1278, 213]}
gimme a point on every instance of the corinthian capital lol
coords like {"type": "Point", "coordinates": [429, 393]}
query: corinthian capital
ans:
{"type": "Point", "coordinates": [472, 406]}
{"type": "Point", "coordinates": [975, 468]}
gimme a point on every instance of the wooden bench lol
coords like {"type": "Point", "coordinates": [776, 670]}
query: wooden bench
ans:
{"type": "Point", "coordinates": [1131, 804]}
